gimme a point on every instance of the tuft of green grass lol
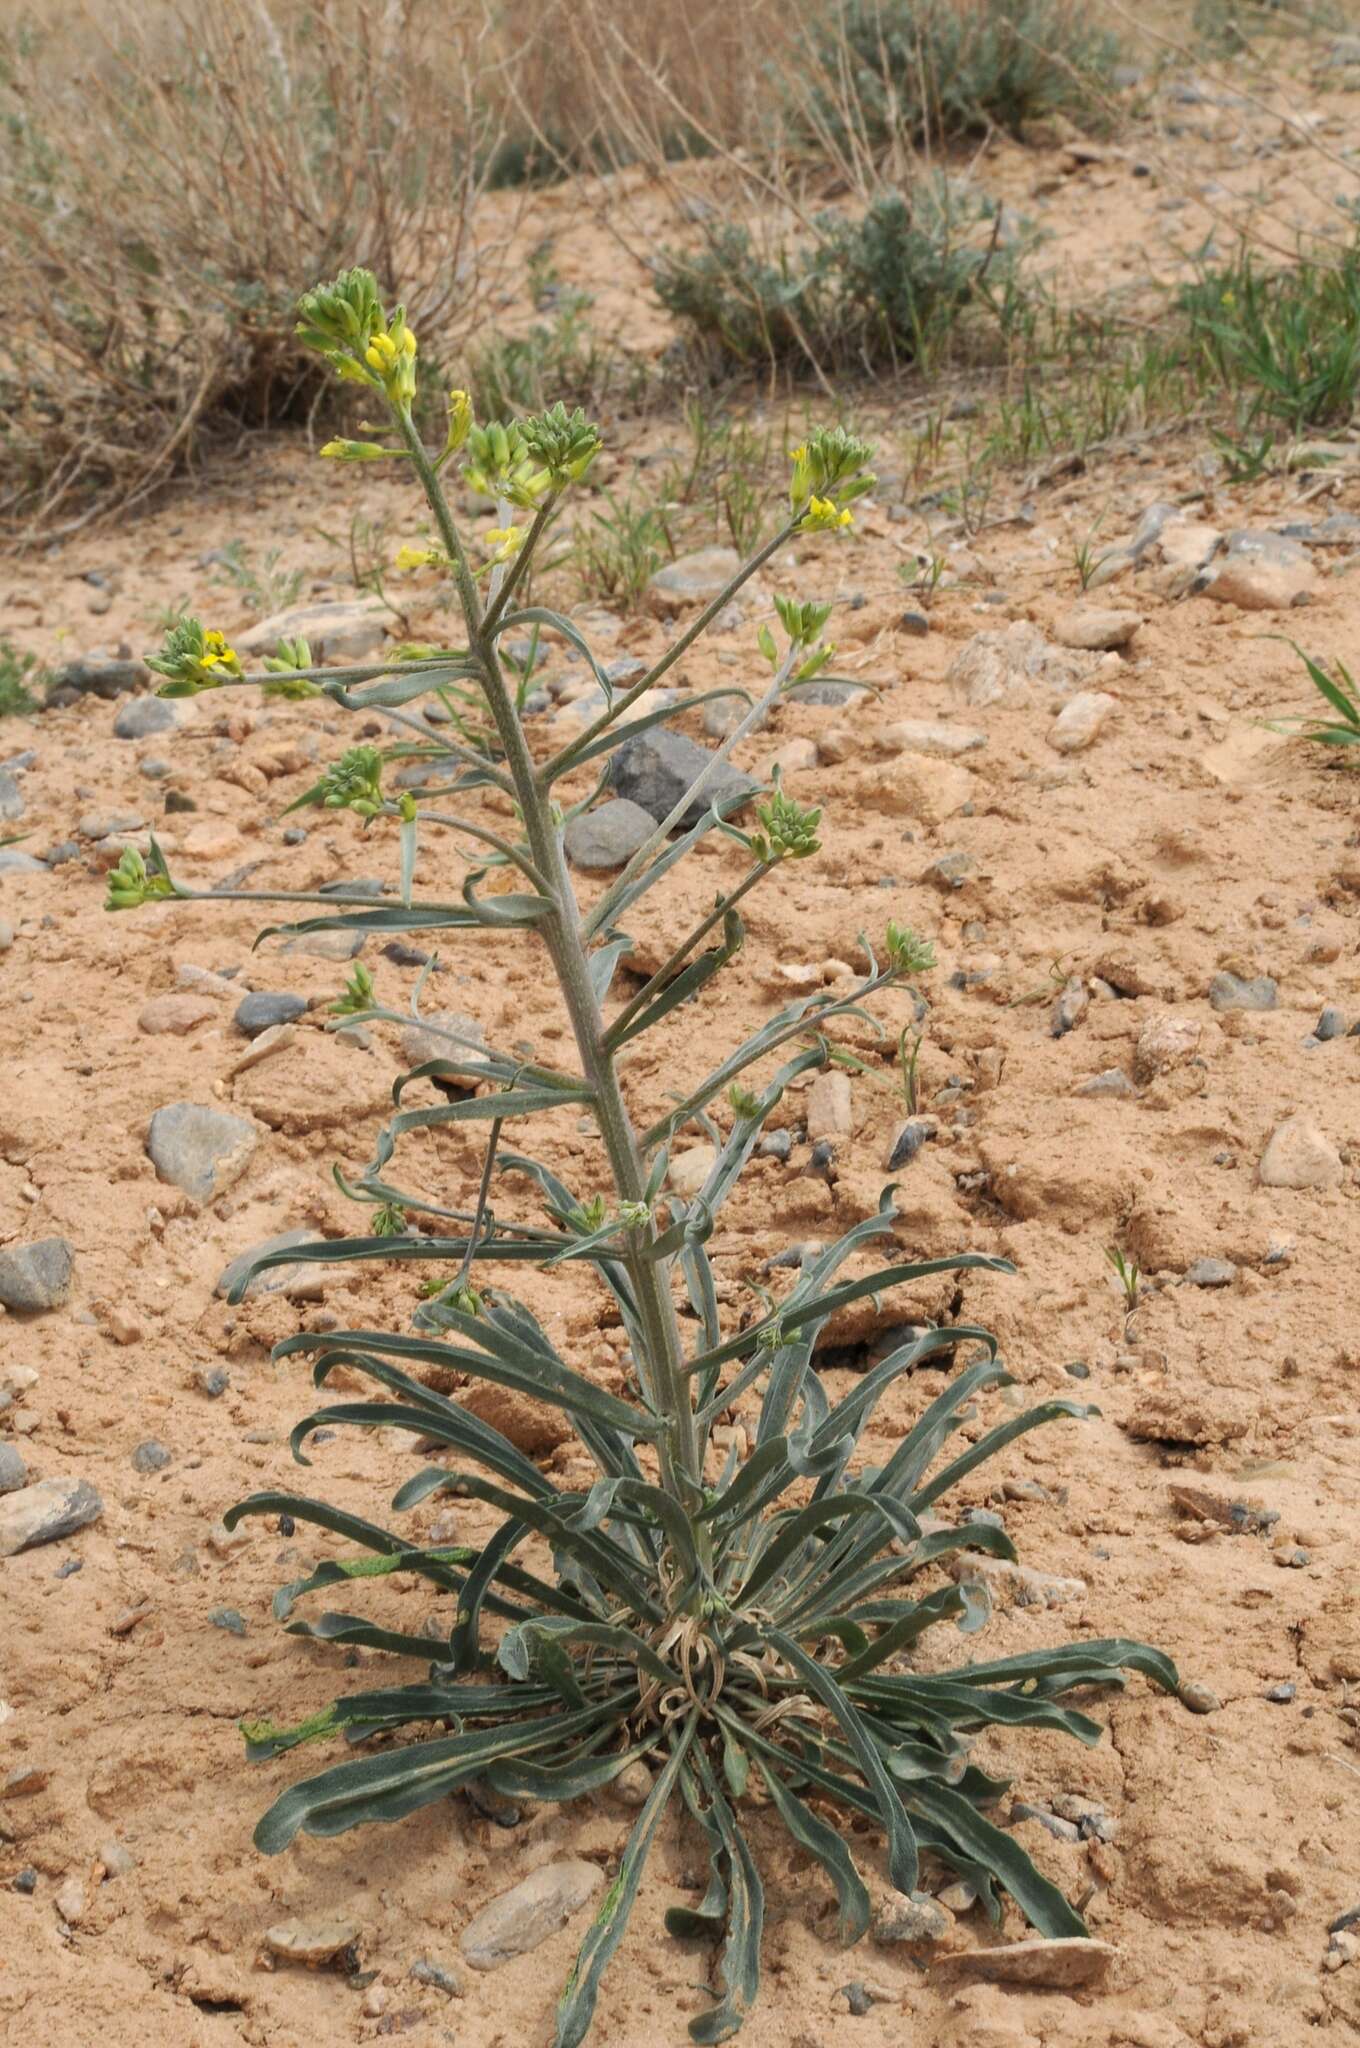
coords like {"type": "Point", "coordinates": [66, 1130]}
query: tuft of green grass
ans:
{"type": "Point", "coordinates": [1287, 339]}
{"type": "Point", "coordinates": [1127, 1274]}
{"type": "Point", "coordinates": [617, 549]}
{"type": "Point", "coordinates": [16, 699]}
{"type": "Point", "coordinates": [1344, 729]}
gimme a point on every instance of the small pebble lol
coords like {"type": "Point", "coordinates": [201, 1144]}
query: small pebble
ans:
{"type": "Point", "coordinates": [775, 1145]}
{"type": "Point", "coordinates": [27, 1880]}
{"type": "Point", "coordinates": [1281, 1695]}
{"type": "Point", "coordinates": [212, 1380]}
{"type": "Point", "coordinates": [423, 1971]}
{"type": "Point", "coordinates": [1331, 1024]}
{"type": "Point", "coordinates": [151, 1456]}
{"type": "Point", "coordinates": [1199, 1698]}
{"type": "Point", "coordinates": [229, 1619]}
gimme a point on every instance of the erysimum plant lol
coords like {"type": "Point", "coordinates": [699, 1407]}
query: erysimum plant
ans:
{"type": "Point", "coordinates": [746, 1627]}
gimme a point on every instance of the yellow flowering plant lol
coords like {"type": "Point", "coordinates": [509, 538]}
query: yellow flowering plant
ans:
{"type": "Point", "coordinates": [743, 1627]}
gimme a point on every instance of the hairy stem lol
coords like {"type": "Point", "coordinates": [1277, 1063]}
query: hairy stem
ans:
{"type": "Point", "coordinates": [662, 1373]}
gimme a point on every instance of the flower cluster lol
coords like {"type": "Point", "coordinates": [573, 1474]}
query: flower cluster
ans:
{"type": "Point", "coordinates": [906, 953]}
{"type": "Point", "coordinates": [283, 664]}
{"type": "Point", "coordinates": [828, 473]}
{"type": "Point", "coordinates": [500, 465]}
{"type": "Point", "coordinates": [564, 443]}
{"type": "Point", "coordinates": [358, 993]}
{"type": "Point", "coordinates": [353, 783]}
{"type": "Point", "coordinates": [788, 832]}
{"type": "Point", "coordinates": [131, 883]}
{"type": "Point", "coordinates": [193, 659]}
{"type": "Point", "coordinates": [346, 322]}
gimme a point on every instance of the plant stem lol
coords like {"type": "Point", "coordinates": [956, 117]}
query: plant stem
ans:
{"type": "Point", "coordinates": [662, 1373]}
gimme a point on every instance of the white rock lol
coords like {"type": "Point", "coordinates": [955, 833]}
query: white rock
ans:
{"type": "Point", "coordinates": [1080, 720]}
{"type": "Point", "coordinates": [924, 736]}
{"type": "Point", "coordinates": [70, 1902]}
{"type": "Point", "coordinates": [1262, 572]}
{"type": "Point", "coordinates": [1014, 1585]}
{"type": "Point", "coordinates": [829, 1113]}
{"type": "Point", "coordinates": [45, 1512]}
{"type": "Point", "coordinates": [312, 1941]}
{"type": "Point", "coordinates": [1299, 1155]}
{"type": "Point", "coordinates": [689, 1170]}
{"type": "Point", "coordinates": [1010, 661]}
{"type": "Point", "coordinates": [1092, 628]}
{"type": "Point", "coordinates": [521, 1919]}
{"type": "Point", "coordinates": [1164, 1042]}
{"type": "Point", "coordinates": [343, 630]}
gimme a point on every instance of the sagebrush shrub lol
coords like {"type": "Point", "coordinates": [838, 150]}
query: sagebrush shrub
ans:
{"type": "Point", "coordinates": [742, 1625]}
{"type": "Point", "coordinates": [880, 290]}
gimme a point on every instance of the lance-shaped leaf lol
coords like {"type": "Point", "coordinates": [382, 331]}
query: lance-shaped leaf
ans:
{"type": "Point", "coordinates": [902, 1860]}
{"type": "Point", "coordinates": [813, 1834]}
{"type": "Point", "coordinates": [685, 985]}
{"type": "Point", "coordinates": [1042, 1904]}
{"type": "Point", "coordinates": [397, 1781]}
{"type": "Point", "coordinates": [576, 2007]}
{"type": "Point", "coordinates": [740, 1965]}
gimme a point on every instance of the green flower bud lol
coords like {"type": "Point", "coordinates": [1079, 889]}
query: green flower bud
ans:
{"type": "Point", "coordinates": [906, 953]}
{"type": "Point", "coordinates": [131, 883]}
{"type": "Point", "coordinates": [743, 1101]}
{"type": "Point", "coordinates": [804, 623]}
{"type": "Point", "coordinates": [830, 466]}
{"type": "Point", "coordinates": [388, 1221]}
{"type": "Point", "coordinates": [564, 444]}
{"type": "Point", "coordinates": [499, 464]}
{"type": "Point", "coordinates": [287, 657]}
{"type": "Point", "coordinates": [358, 994]}
{"type": "Point", "coordinates": [353, 783]}
{"type": "Point", "coordinates": [789, 832]}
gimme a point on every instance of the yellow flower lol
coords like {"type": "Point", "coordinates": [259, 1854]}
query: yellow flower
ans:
{"type": "Point", "coordinates": [392, 355]}
{"type": "Point", "coordinates": [217, 654]}
{"type": "Point", "coordinates": [507, 542]}
{"type": "Point", "coordinates": [460, 421]}
{"type": "Point", "coordinates": [822, 516]}
{"type": "Point", "coordinates": [416, 558]}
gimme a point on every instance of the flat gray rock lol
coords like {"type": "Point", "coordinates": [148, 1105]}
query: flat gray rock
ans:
{"type": "Point", "coordinates": [145, 716]}
{"type": "Point", "coordinates": [326, 945]}
{"type": "Point", "coordinates": [13, 862]}
{"type": "Point", "coordinates": [199, 1150]}
{"type": "Point", "coordinates": [609, 836]}
{"type": "Point", "coordinates": [46, 1512]}
{"type": "Point", "coordinates": [656, 769]}
{"type": "Point", "coordinates": [11, 797]}
{"type": "Point", "coordinates": [693, 579]}
{"type": "Point", "coordinates": [37, 1276]}
{"type": "Point", "coordinates": [1210, 1273]}
{"type": "Point", "coordinates": [96, 675]}
{"type": "Point", "coordinates": [13, 1470]}
{"type": "Point", "coordinates": [1231, 992]}
{"type": "Point", "coordinates": [528, 1915]}
{"type": "Point", "coordinates": [343, 629]}
{"type": "Point", "coordinates": [263, 1008]}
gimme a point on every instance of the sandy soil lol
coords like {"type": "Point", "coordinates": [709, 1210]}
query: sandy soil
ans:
{"type": "Point", "coordinates": [1188, 840]}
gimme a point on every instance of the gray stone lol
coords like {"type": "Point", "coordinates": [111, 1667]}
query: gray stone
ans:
{"type": "Point", "coordinates": [1009, 661]}
{"type": "Point", "coordinates": [528, 1915]}
{"type": "Point", "coordinates": [44, 1513]}
{"type": "Point", "coordinates": [340, 945]}
{"type": "Point", "coordinates": [1199, 1698]}
{"type": "Point", "coordinates": [339, 630]}
{"type": "Point", "coordinates": [151, 1456]}
{"type": "Point", "coordinates": [228, 1618]}
{"type": "Point", "coordinates": [657, 768]}
{"type": "Point", "coordinates": [212, 1380]}
{"type": "Point", "coordinates": [13, 1471]}
{"type": "Point", "coordinates": [927, 736]}
{"type": "Point", "coordinates": [911, 1917]}
{"type": "Point", "coordinates": [1230, 992]}
{"type": "Point", "coordinates": [11, 798]}
{"type": "Point", "coordinates": [1210, 1273]}
{"type": "Point", "coordinates": [202, 1151]}
{"type": "Point", "coordinates": [421, 1041]}
{"type": "Point", "coordinates": [911, 1136]}
{"type": "Point", "coordinates": [1070, 1008]}
{"type": "Point", "coordinates": [609, 836]}
{"type": "Point", "coordinates": [13, 862]}
{"type": "Point", "coordinates": [826, 693]}
{"type": "Point", "coordinates": [1331, 1024]}
{"type": "Point", "coordinates": [775, 1145]}
{"type": "Point", "coordinates": [1113, 1081]}
{"type": "Point", "coordinates": [694, 579]}
{"type": "Point", "coordinates": [36, 1276]}
{"type": "Point", "coordinates": [95, 675]}
{"type": "Point", "coordinates": [147, 715]}
{"type": "Point", "coordinates": [423, 1971]}
{"type": "Point", "coordinates": [261, 1009]}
